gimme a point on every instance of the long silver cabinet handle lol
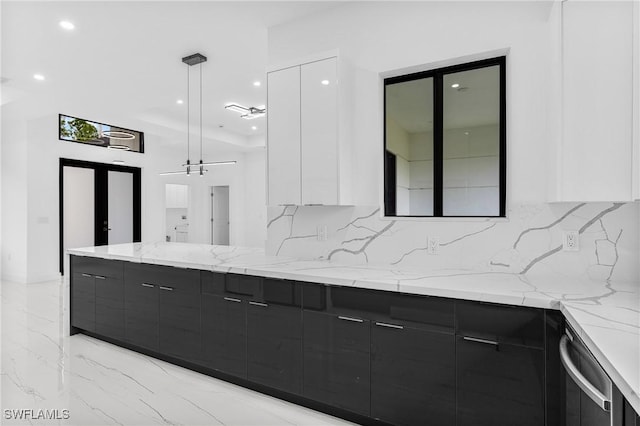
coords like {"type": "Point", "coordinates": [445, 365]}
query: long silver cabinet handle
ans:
{"type": "Point", "coordinates": [87, 275]}
{"type": "Point", "coordinates": [384, 324]}
{"type": "Point", "coordinates": [232, 299]}
{"type": "Point", "coordinates": [100, 277]}
{"type": "Point", "coordinates": [264, 305]}
{"type": "Point", "coordinates": [592, 392]}
{"type": "Point", "coordinates": [166, 288]}
{"type": "Point", "coordinates": [350, 319]}
{"type": "Point", "coordinates": [476, 340]}
{"type": "Point", "coordinates": [147, 285]}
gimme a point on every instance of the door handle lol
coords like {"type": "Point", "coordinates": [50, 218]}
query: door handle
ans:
{"type": "Point", "coordinates": [340, 317]}
{"type": "Point", "coordinates": [477, 340]}
{"type": "Point", "coordinates": [87, 275]}
{"type": "Point", "coordinates": [100, 277]}
{"type": "Point", "coordinates": [384, 324]}
{"type": "Point", "coordinates": [592, 392]}
{"type": "Point", "coordinates": [232, 299]}
{"type": "Point", "coordinates": [147, 285]}
{"type": "Point", "coordinates": [264, 305]}
{"type": "Point", "coordinates": [166, 288]}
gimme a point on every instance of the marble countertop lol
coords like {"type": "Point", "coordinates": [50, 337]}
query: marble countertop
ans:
{"type": "Point", "coordinates": [606, 314]}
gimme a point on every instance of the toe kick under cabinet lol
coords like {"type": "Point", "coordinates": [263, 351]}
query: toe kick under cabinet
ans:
{"type": "Point", "coordinates": [373, 357]}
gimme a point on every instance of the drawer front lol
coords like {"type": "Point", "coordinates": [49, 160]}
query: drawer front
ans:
{"type": "Point", "coordinates": [501, 323]}
{"type": "Point", "coordinates": [423, 312]}
{"type": "Point", "coordinates": [213, 282]}
{"type": "Point", "coordinates": [97, 266]}
{"type": "Point", "coordinates": [243, 285]}
{"type": "Point", "coordinates": [281, 292]}
{"type": "Point", "coordinates": [179, 279]}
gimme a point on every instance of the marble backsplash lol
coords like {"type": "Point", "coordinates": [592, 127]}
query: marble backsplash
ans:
{"type": "Point", "coordinates": [527, 242]}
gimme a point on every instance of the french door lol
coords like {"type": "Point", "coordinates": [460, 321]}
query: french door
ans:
{"type": "Point", "coordinates": [99, 205]}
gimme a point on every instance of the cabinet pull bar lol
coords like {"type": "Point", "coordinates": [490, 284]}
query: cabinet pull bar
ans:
{"type": "Point", "coordinates": [384, 324]}
{"type": "Point", "coordinates": [166, 288]}
{"type": "Point", "coordinates": [147, 285]}
{"type": "Point", "coordinates": [100, 277]}
{"type": "Point", "coordinates": [232, 299]}
{"type": "Point", "coordinates": [264, 305]}
{"type": "Point", "coordinates": [350, 319]}
{"type": "Point", "coordinates": [86, 275]}
{"type": "Point", "coordinates": [485, 341]}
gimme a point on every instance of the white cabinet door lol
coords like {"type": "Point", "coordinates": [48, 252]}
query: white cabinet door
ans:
{"type": "Point", "coordinates": [596, 150]}
{"type": "Point", "coordinates": [319, 118]}
{"type": "Point", "coordinates": [283, 140]}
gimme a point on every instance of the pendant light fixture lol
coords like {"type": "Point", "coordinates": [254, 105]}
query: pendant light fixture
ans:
{"type": "Point", "coordinates": [189, 168]}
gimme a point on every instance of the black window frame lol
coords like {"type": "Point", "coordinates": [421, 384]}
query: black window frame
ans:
{"type": "Point", "coordinates": [438, 158]}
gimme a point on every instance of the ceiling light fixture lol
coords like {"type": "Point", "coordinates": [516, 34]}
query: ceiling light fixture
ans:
{"type": "Point", "coordinates": [67, 25]}
{"type": "Point", "coordinates": [38, 77]}
{"type": "Point", "coordinates": [325, 82]}
{"type": "Point", "coordinates": [179, 101]}
{"type": "Point", "coordinates": [248, 113]}
{"type": "Point", "coordinates": [118, 134]}
{"type": "Point", "coordinates": [254, 128]}
{"type": "Point", "coordinates": [191, 60]}
{"type": "Point", "coordinates": [118, 161]}
{"type": "Point", "coordinates": [455, 85]}
{"type": "Point", "coordinates": [257, 83]}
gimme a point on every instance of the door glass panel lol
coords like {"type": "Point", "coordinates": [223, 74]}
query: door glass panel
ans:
{"type": "Point", "coordinates": [120, 207]}
{"type": "Point", "coordinates": [471, 142]}
{"type": "Point", "coordinates": [409, 137]}
{"type": "Point", "coordinates": [78, 207]}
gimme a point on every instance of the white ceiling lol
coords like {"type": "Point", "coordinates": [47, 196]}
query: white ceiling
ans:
{"type": "Point", "coordinates": [123, 62]}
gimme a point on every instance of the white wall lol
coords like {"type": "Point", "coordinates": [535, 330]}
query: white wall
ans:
{"type": "Point", "coordinates": [383, 37]}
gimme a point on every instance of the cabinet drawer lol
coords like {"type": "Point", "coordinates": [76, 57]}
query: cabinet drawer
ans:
{"type": "Point", "coordinates": [97, 266]}
{"type": "Point", "coordinates": [423, 312]}
{"type": "Point", "coordinates": [183, 280]}
{"type": "Point", "coordinates": [213, 282]}
{"type": "Point", "coordinates": [501, 323]}
{"type": "Point", "coordinates": [281, 292]}
{"type": "Point", "coordinates": [243, 285]}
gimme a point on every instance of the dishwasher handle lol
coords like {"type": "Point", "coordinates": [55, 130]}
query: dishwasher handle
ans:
{"type": "Point", "coordinates": [592, 392]}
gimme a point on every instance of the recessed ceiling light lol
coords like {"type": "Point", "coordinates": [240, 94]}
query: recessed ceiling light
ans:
{"type": "Point", "coordinates": [118, 161]}
{"type": "Point", "coordinates": [256, 83]}
{"type": "Point", "coordinates": [455, 85]}
{"type": "Point", "coordinates": [325, 82]}
{"type": "Point", "coordinates": [254, 128]}
{"type": "Point", "coordinates": [67, 25]}
{"type": "Point", "coordinates": [179, 101]}
{"type": "Point", "coordinates": [38, 77]}
{"type": "Point", "coordinates": [466, 133]}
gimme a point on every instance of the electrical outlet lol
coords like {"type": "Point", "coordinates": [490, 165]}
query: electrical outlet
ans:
{"type": "Point", "coordinates": [570, 241]}
{"type": "Point", "coordinates": [433, 245]}
{"type": "Point", "coordinates": [321, 232]}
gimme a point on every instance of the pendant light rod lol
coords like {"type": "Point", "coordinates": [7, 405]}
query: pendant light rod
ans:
{"type": "Point", "coordinates": [191, 60]}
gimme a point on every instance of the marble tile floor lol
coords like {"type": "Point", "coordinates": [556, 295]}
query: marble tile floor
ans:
{"type": "Point", "coordinates": [42, 367]}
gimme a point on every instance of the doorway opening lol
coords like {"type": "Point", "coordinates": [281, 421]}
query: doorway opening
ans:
{"type": "Point", "coordinates": [220, 215]}
{"type": "Point", "coordinates": [99, 204]}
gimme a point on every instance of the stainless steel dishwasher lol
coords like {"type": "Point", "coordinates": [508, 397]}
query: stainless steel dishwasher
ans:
{"type": "Point", "coordinates": [590, 398]}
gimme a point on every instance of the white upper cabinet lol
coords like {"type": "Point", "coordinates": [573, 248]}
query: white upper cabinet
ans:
{"type": "Point", "coordinates": [283, 143]}
{"type": "Point", "coordinates": [307, 148]}
{"type": "Point", "coordinates": [319, 118]}
{"type": "Point", "coordinates": [595, 156]}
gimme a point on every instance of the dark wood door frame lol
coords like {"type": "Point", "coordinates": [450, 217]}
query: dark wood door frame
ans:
{"type": "Point", "coordinates": [101, 200]}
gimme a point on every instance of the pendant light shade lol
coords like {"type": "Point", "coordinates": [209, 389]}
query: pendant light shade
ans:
{"type": "Point", "coordinates": [189, 167]}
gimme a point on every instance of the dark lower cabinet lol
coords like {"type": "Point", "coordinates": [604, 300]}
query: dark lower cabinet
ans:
{"type": "Point", "coordinates": [499, 385]}
{"type": "Point", "coordinates": [336, 361]}
{"type": "Point", "coordinates": [141, 311]}
{"type": "Point", "coordinates": [631, 418]}
{"type": "Point", "coordinates": [412, 376]}
{"type": "Point", "coordinates": [83, 304]}
{"type": "Point", "coordinates": [179, 317]}
{"type": "Point", "coordinates": [224, 334]}
{"type": "Point", "coordinates": [109, 306]}
{"type": "Point", "coordinates": [274, 346]}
